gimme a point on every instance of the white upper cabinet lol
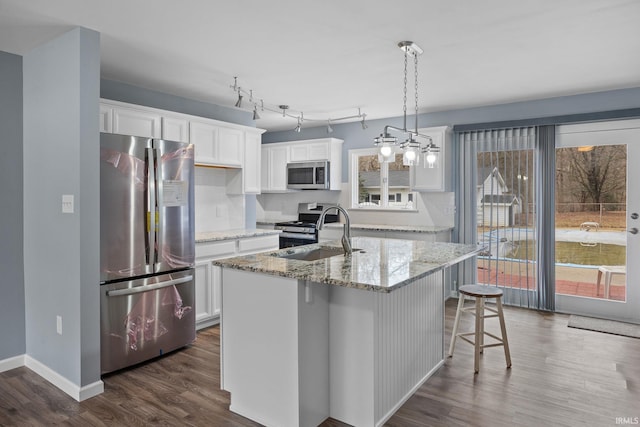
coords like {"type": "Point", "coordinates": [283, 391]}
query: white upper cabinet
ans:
{"type": "Point", "coordinates": [308, 151]}
{"type": "Point", "coordinates": [137, 122]}
{"type": "Point", "coordinates": [230, 146]}
{"type": "Point", "coordinates": [175, 129]}
{"type": "Point", "coordinates": [276, 156]}
{"type": "Point", "coordinates": [274, 168]}
{"type": "Point", "coordinates": [252, 165]}
{"type": "Point", "coordinates": [426, 179]}
{"type": "Point", "coordinates": [215, 143]}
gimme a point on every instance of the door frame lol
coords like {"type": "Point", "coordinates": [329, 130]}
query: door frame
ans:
{"type": "Point", "coordinates": [616, 132]}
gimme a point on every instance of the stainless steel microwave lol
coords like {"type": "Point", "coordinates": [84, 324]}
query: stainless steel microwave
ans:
{"type": "Point", "coordinates": [308, 175]}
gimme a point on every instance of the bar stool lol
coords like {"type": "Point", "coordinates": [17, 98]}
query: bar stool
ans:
{"type": "Point", "coordinates": [480, 293]}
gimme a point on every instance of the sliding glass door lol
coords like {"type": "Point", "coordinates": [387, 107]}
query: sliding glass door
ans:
{"type": "Point", "coordinates": [597, 210]}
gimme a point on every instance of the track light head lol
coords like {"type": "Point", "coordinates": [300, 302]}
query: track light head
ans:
{"type": "Point", "coordinates": [256, 116]}
{"type": "Point", "coordinates": [239, 101]}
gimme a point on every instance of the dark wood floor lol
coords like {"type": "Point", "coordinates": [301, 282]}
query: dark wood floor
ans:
{"type": "Point", "coordinates": [560, 377]}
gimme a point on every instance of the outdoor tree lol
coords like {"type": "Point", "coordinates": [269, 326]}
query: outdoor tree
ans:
{"type": "Point", "coordinates": [593, 175]}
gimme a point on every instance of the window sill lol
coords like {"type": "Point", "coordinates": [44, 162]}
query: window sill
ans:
{"type": "Point", "coordinates": [372, 209]}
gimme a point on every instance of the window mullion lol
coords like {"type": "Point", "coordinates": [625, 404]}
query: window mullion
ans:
{"type": "Point", "coordinates": [384, 185]}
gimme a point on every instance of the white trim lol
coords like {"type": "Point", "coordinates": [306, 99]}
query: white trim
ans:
{"type": "Point", "coordinates": [12, 363]}
{"type": "Point", "coordinates": [78, 393]}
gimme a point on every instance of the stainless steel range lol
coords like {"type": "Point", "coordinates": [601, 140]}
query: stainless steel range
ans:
{"type": "Point", "coordinates": [304, 230]}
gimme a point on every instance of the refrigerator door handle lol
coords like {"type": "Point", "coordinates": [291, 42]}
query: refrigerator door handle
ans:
{"type": "Point", "coordinates": [150, 209]}
{"type": "Point", "coordinates": [159, 203]}
{"type": "Point", "coordinates": [147, 288]}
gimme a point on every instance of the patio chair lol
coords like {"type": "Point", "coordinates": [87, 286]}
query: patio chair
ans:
{"type": "Point", "coordinates": [589, 225]}
{"type": "Point", "coordinates": [609, 271]}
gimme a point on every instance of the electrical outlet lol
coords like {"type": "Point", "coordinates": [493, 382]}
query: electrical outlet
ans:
{"type": "Point", "coordinates": [59, 325]}
{"type": "Point", "coordinates": [67, 203]}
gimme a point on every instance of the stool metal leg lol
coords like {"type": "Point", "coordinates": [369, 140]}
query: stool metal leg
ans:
{"type": "Point", "coordinates": [479, 332]}
{"type": "Point", "coordinates": [455, 324]}
{"type": "Point", "coordinates": [505, 343]}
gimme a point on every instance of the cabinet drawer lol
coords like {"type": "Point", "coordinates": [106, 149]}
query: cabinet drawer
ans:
{"type": "Point", "coordinates": [216, 249]}
{"type": "Point", "coordinates": [258, 244]}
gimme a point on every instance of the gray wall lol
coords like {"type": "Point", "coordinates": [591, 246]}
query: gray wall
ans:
{"type": "Point", "coordinates": [61, 251]}
{"type": "Point", "coordinates": [355, 137]}
{"type": "Point", "coordinates": [12, 304]}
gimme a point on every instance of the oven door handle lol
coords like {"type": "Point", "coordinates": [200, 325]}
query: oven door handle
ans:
{"type": "Point", "coordinates": [298, 236]}
{"type": "Point", "coordinates": [139, 289]}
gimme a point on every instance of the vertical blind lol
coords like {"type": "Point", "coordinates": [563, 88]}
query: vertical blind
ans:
{"type": "Point", "coordinates": [502, 187]}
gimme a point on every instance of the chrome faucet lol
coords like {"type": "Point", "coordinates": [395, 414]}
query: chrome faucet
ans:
{"type": "Point", "coordinates": [346, 233]}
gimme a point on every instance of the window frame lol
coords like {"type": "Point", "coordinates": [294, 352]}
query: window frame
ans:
{"type": "Point", "coordinates": [354, 156]}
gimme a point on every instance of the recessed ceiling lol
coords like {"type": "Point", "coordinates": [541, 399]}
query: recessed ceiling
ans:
{"type": "Point", "coordinates": [329, 58]}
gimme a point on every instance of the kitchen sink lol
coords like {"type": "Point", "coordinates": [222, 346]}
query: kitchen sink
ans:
{"type": "Point", "coordinates": [315, 254]}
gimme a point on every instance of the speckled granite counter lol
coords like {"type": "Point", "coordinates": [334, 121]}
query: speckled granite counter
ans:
{"type": "Point", "coordinates": [238, 233]}
{"type": "Point", "coordinates": [380, 264]}
{"type": "Point", "coordinates": [428, 229]}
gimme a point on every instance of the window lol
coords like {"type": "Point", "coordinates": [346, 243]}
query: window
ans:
{"type": "Point", "coordinates": [379, 185]}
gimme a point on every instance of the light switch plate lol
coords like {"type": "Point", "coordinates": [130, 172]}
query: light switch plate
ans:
{"type": "Point", "coordinates": [67, 203]}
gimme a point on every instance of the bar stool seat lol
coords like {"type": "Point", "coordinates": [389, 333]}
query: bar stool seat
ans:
{"type": "Point", "coordinates": [480, 293]}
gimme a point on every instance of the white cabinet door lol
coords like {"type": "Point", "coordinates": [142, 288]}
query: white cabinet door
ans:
{"type": "Point", "coordinates": [305, 151]}
{"type": "Point", "coordinates": [432, 179]}
{"type": "Point", "coordinates": [252, 164]}
{"type": "Point", "coordinates": [130, 121]}
{"type": "Point", "coordinates": [204, 301]}
{"type": "Point", "coordinates": [216, 145]}
{"type": "Point", "coordinates": [230, 146]}
{"type": "Point", "coordinates": [278, 159]}
{"type": "Point", "coordinates": [204, 138]}
{"type": "Point", "coordinates": [175, 129]}
{"type": "Point", "coordinates": [216, 282]}
{"type": "Point", "coordinates": [273, 176]}
{"type": "Point", "coordinates": [106, 123]}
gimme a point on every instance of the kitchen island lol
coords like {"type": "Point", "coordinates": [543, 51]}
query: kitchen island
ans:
{"type": "Point", "coordinates": [350, 338]}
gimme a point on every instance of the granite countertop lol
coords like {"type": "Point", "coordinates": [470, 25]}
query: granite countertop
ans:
{"type": "Point", "coordinates": [238, 233]}
{"type": "Point", "coordinates": [428, 229]}
{"type": "Point", "coordinates": [381, 264]}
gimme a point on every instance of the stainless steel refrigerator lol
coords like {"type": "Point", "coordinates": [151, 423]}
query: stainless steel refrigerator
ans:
{"type": "Point", "coordinates": [147, 249]}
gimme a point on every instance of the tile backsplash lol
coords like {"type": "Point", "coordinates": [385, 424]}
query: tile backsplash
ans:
{"type": "Point", "coordinates": [215, 209]}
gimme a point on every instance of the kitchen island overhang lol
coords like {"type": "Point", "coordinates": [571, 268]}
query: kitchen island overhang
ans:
{"type": "Point", "coordinates": [344, 337]}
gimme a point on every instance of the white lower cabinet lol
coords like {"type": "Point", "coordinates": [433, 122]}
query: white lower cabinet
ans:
{"type": "Point", "coordinates": [209, 277]}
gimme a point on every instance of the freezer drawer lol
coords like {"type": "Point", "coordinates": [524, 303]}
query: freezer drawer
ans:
{"type": "Point", "coordinates": [145, 318]}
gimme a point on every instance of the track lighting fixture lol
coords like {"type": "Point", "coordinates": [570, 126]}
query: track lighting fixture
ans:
{"type": "Point", "coordinates": [411, 147]}
{"type": "Point", "coordinates": [285, 111]}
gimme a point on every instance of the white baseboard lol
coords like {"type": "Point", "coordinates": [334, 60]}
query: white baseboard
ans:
{"type": "Point", "coordinates": [12, 363]}
{"type": "Point", "coordinates": [78, 393]}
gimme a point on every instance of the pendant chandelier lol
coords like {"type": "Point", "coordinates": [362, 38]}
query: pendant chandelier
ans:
{"type": "Point", "coordinates": [413, 144]}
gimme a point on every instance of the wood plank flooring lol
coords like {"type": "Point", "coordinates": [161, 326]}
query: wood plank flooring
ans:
{"type": "Point", "coordinates": [560, 377]}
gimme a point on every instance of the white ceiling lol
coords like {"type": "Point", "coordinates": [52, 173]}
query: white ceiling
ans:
{"type": "Point", "coordinates": [328, 58]}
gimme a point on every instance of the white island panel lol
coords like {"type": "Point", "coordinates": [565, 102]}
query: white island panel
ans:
{"type": "Point", "coordinates": [383, 347]}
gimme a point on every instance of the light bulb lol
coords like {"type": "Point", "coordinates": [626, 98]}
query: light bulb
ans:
{"type": "Point", "coordinates": [411, 155]}
{"type": "Point", "coordinates": [385, 150]}
{"type": "Point", "coordinates": [431, 159]}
